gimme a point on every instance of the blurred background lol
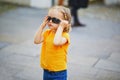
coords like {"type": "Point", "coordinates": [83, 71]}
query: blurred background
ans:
{"type": "Point", "coordinates": [48, 3]}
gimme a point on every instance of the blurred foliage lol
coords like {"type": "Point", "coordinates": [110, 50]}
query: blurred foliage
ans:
{"type": "Point", "coordinates": [6, 6]}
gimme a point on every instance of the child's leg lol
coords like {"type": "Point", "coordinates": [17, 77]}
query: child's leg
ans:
{"type": "Point", "coordinates": [50, 75]}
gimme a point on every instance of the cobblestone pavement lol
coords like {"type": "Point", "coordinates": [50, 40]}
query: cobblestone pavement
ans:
{"type": "Point", "coordinates": [93, 54]}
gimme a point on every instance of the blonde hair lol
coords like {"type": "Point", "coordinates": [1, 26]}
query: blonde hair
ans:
{"type": "Point", "coordinates": [66, 15]}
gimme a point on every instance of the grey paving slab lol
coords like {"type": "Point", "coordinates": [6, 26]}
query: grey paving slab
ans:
{"type": "Point", "coordinates": [99, 49]}
{"type": "Point", "coordinates": [107, 75]}
{"type": "Point", "coordinates": [3, 77]}
{"type": "Point", "coordinates": [22, 60]}
{"type": "Point", "coordinates": [115, 57]}
{"type": "Point", "coordinates": [3, 44]}
{"type": "Point", "coordinates": [7, 71]}
{"type": "Point", "coordinates": [82, 60]}
{"type": "Point", "coordinates": [108, 65]}
{"type": "Point", "coordinates": [79, 71]}
{"type": "Point", "coordinates": [30, 74]}
{"type": "Point", "coordinates": [80, 78]}
{"type": "Point", "coordinates": [12, 66]}
{"type": "Point", "coordinates": [23, 50]}
{"type": "Point", "coordinates": [16, 23]}
{"type": "Point", "coordinates": [4, 54]}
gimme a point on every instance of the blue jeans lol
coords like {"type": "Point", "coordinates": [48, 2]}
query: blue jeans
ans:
{"type": "Point", "coordinates": [51, 75]}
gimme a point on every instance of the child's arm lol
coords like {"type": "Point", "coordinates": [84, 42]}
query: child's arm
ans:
{"type": "Point", "coordinates": [59, 39]}
{"type": "Point", "coordinates": [38, 36]}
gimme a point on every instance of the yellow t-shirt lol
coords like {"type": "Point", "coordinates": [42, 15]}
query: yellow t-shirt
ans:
{"type": "Point", "coordinates": [54, 58]}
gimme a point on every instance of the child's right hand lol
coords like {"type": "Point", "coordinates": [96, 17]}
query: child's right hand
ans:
{"type": "Point", "coordinates": [45, 21]}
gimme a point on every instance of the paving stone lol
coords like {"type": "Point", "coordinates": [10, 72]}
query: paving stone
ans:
{"type": "Point", "coordinates": [8, 71]}
{"type": "Point", "coordinates": [22, 60]}
{"type": "Point", "coordinates": [23, 50]}
{"type": "Point", "coordinates": [80, 78]}
{"type": "Point", "coordinates": [115, 57]}
{"type": "Point", "coordinates": [3, 77]}
{"type": "Point", "coordinates": [107, 75]}
{"type": "Point", "coordinates": [82, 60]}
{"type": "Point", "coordinates": [3, 44]}
{"type": "Point", "coordinates": [4, 54]}
{"type": "Point", "coordinates": [76, 71]}
{"type": "Point", "coordinates": [101, 48]}
{"type": "Point", "coordinates": [30, 74]}
{"type": "Point", "coordinates": [108, 65]}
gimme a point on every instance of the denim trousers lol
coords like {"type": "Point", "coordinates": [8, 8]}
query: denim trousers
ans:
{"type": "Point", "coordinates": [52, 75]}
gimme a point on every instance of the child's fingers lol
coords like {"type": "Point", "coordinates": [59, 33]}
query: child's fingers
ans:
{"type": "Point", "coordinates": [64, 21]}
{"type": "Point", "coordinates": [45, 18]}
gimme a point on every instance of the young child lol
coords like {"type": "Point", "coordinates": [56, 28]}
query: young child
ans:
{"type": "Point", "coordinates": [55, 42]}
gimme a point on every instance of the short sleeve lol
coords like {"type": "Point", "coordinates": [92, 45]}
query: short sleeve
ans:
{"type": "Point", "coordinates": [67, 36]}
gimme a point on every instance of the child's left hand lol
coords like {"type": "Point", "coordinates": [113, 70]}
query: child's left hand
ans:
{"type": "Point", "coordinates": [64, 24]}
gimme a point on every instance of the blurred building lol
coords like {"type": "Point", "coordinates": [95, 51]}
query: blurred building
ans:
{"type": "Point", "coordinates": [32, 3]}
{"type": "Point", "coordinates": [49, 3]}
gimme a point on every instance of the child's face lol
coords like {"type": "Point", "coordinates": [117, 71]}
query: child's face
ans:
{"type": "Point", "coordinates": [55, 18]}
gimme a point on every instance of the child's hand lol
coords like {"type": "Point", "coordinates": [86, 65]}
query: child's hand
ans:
{"type": "Point", "coordinates": [45, 21]}
{"type": "Point", "coordinates": [64, 24]}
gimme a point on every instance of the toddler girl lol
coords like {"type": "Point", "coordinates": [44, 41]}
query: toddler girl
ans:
{"type": "Point", "coordinates": [55, 42]}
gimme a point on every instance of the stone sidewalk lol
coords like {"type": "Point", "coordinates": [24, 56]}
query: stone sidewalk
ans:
{"type": "Point", "coordinates": [93, 54]}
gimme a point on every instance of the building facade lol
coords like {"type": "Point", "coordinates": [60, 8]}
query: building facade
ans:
{"type": "Point", "coordinates": [32, 3]}
{"type": "Point", "coordinates": [49, 3]}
